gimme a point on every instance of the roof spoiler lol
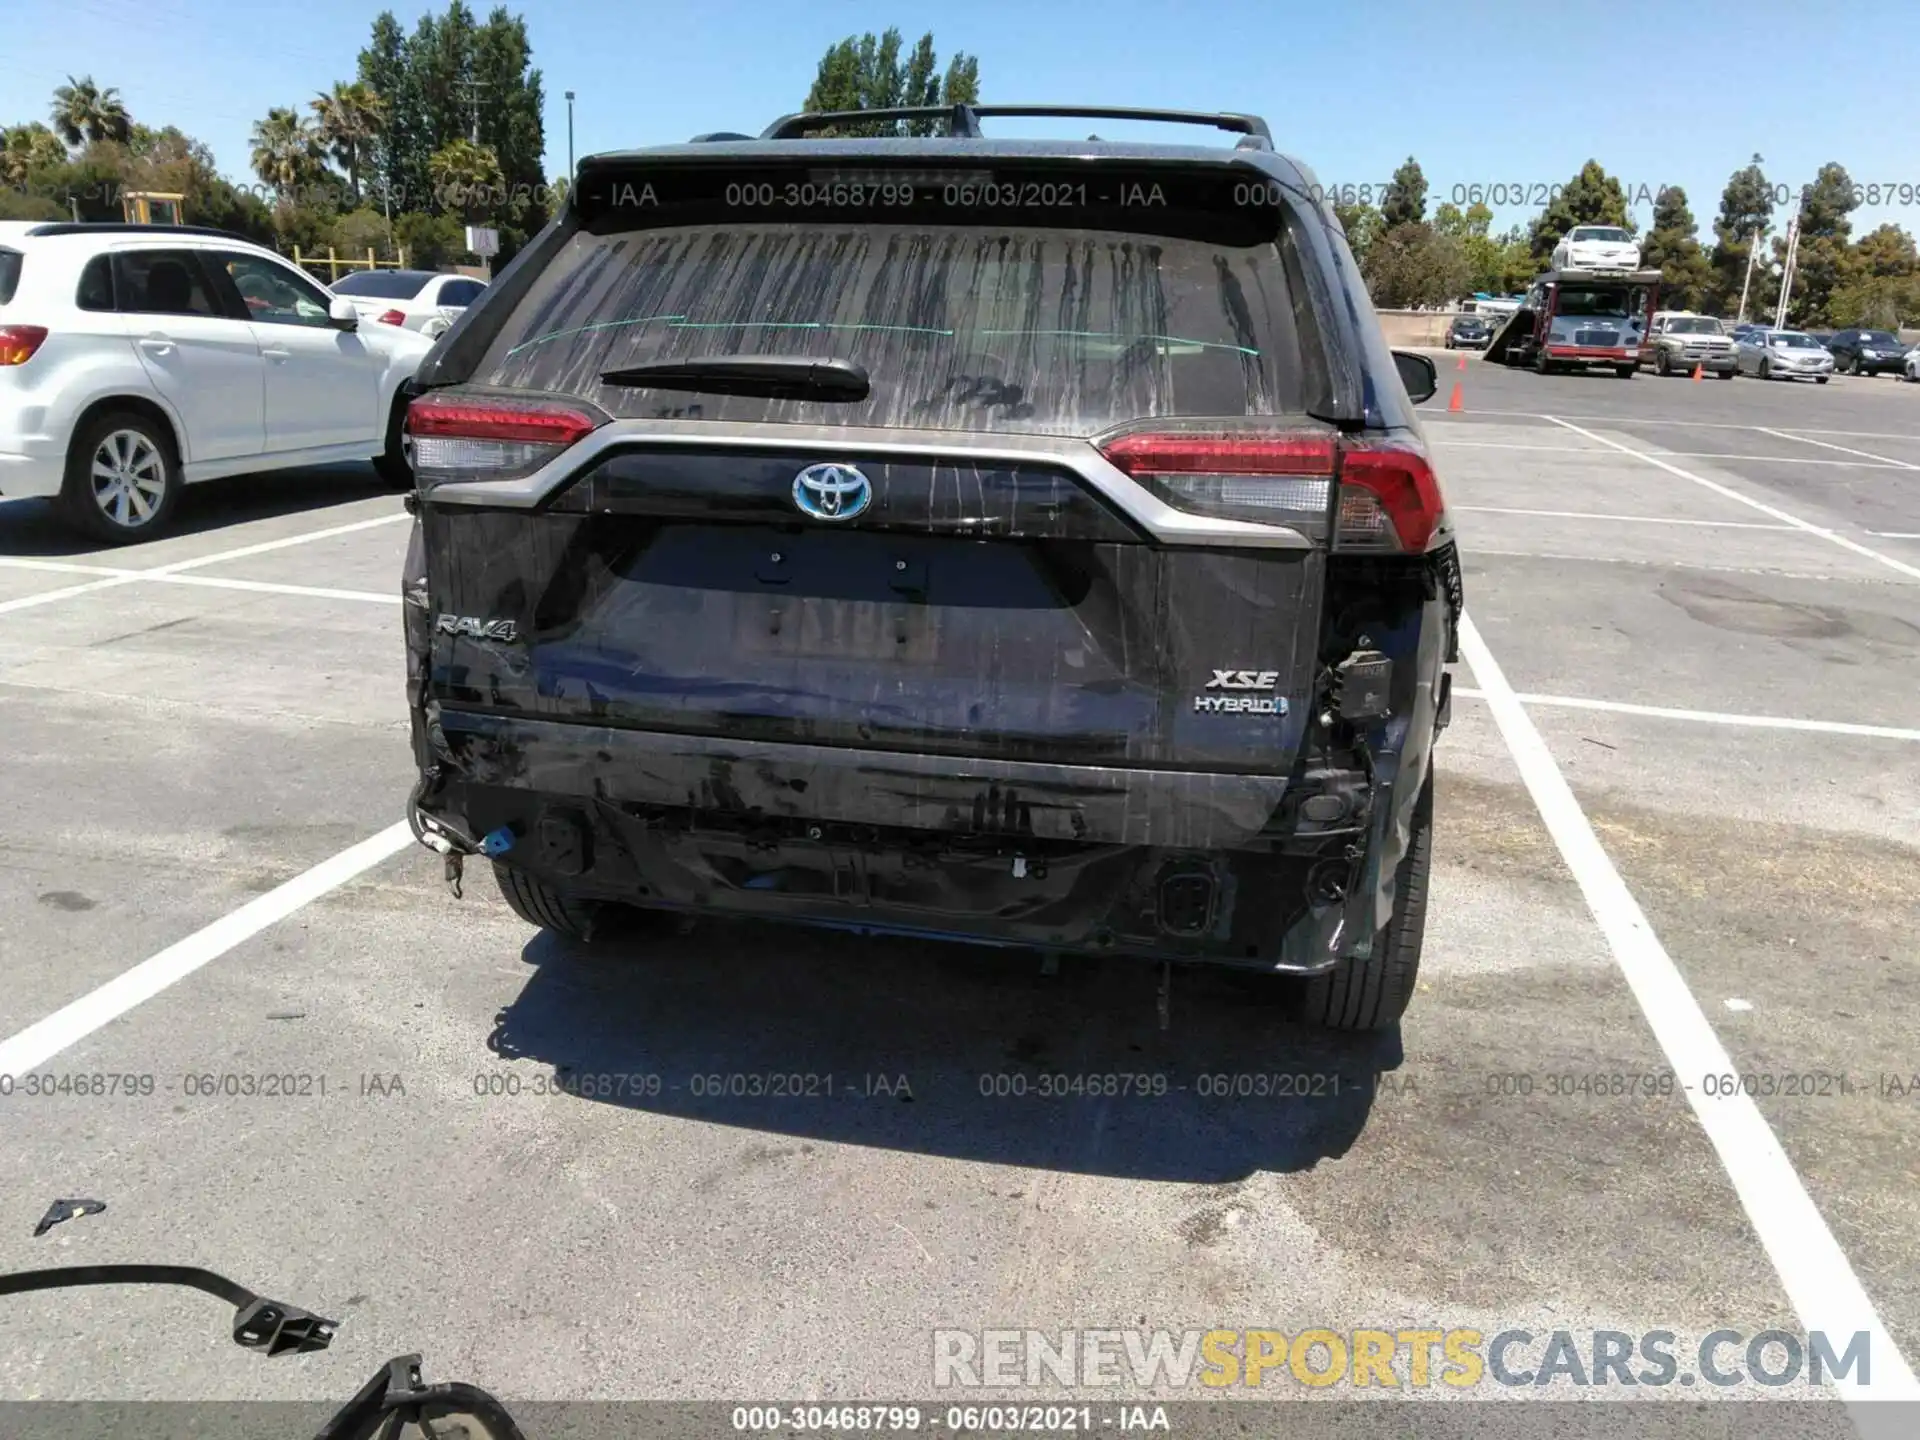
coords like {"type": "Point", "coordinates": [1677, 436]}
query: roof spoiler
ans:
{"type": "Point", "coordinates": [963, 121]}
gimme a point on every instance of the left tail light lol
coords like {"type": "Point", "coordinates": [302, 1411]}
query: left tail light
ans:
{"type": "Point", "coordinates": [393, 317]}
{"type": "Point", "coordinates": [455, 438]}
{"type": "Point", "coordinates": [18, 342]}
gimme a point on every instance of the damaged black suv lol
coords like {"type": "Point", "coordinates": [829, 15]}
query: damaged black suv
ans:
{"type": "Point", "coordinates": [1013, 541]}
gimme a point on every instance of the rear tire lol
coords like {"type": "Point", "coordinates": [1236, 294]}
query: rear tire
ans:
{"type": "Point", "coordinates": [1820, 379]}
{"type": "Point", "coordinates": [1724, 374]}
{"type": "Point", "coordinates": [1626, 372]}
{"type": "Point", "coordinates": [119, 462]}
{"type": "Point", "coordinates": [541, 905]}
{"type": "Point", "coordinates": [391, 463]}
{"type": "Point", "coordinates": [1372, 994]}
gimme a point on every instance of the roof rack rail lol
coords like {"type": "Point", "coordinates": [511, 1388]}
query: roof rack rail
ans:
{"type": "Point", "coordinates": [112, 227]}
{"type": "Point", "coordinates": [963, 121]}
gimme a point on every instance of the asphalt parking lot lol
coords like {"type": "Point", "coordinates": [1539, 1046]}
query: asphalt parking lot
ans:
{"type": "Point", "coordinates": [1679, 835]}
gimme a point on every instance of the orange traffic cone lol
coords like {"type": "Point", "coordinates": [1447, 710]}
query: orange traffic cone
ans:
{"type": "Point", "coordinates": [1697, 370]}
{"type": "Point", "coordinates": [1463, 363]}
{"type": "Point", "coordinates": [1456, 401]}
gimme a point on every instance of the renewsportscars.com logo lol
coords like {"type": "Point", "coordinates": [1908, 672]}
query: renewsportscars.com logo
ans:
{"type": "Point", "coordinates": [1396, 1359]}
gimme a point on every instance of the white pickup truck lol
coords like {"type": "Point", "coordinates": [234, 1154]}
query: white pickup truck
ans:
{"type": "Point", "coordinates": [1679, 340]}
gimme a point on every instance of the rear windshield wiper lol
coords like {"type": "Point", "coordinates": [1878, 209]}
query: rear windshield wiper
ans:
{"type": "Point", "coordinates": [770, 377]}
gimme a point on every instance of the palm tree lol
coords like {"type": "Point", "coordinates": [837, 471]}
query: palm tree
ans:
{"type": "Point", "coordinates": [286, 151]}
{"type": "Point", "coordinates": [83, 111]}
{"type": "Point", "coordinates": [467, 176]}
{"type": "Point", "coordinates": [26, 148]}
{"type": "Point", "coordinates": [350, 119]}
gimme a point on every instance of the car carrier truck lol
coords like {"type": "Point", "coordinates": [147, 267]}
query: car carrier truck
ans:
{"type": "Point", "coordinates": [1574, 319]}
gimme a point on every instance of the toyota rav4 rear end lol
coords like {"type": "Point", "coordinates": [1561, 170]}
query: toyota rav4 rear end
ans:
{"type": "Point", "coordinates": [1020, 542]}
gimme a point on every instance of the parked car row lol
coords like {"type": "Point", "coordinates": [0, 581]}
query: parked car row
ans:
{"type": "Point", "coordinates": [135, 360]}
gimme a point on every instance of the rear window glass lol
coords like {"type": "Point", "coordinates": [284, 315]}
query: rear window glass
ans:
{"type": "Point", "coordinates": [966, 317]}
{"type": "Point", "coordinates": [10, 263]}
{"type": "Point", "coordinates": [378, 285]}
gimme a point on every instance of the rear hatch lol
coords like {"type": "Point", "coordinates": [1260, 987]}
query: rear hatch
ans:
{"type": "Point", "coordinates": [1079, 514]}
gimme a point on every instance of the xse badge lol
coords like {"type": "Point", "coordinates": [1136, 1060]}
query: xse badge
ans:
{"type": "Point", "coordinates": [1218, 702]}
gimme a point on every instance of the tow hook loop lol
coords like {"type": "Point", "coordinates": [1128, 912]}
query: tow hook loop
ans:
{"type": "Point", "coordinates": [499, 842]}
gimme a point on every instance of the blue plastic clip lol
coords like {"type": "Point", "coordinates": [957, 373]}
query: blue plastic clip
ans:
{"type": "Point", "coordinates": [498, 843]}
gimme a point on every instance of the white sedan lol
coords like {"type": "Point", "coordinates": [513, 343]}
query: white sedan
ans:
{"type": "Point", "coordinates": [420, 300]}
{"type": "Point", "coordinates": [1597, 247]}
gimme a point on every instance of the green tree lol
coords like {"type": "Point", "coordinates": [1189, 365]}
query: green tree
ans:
{"type": "Point", "coordinates": [1820, 258]}
{"type": "Point", "coordinates": [286, 152]}
{"type": "Point", "coordinates": [868, 73]}
{"type": "Point", "coordinates": [1880, 281]}
{"type": "Point", "coordinates": [512, 124]}
{"type": "Point", "coordinates": [1450, 219]}
{"type": "Point", "coordinates": [1414, 264]}
{"type": "Point", "coordinates": [83, 112]}
{"type": "Point", "coordinates": [1673, 248]}
{"type": "Point", "coordinates": [455, 79]}
{"type": "Point", "coordinates": [1405, 199]}
{"type": "Point", "coordinates": [1746, 215]}
{"type": "Point", "coordinates": [1592, 197]}
{"type": "Point", "coordinates": [399, 153]}
{"type": "Point", "coordinates": [1362, 225]}
{"type": "Point", "coordinates": [25, 149]}
{"type": "Point", "coordinates": [348, 119]}
{"type": "Point", "coordinates": [467, 179]}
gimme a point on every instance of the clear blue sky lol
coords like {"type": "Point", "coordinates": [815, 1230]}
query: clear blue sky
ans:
{"type": "Point", "coordinates": [1352, 88]}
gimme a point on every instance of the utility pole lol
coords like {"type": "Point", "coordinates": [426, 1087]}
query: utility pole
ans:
{"type": "Point", "coordinates": [569, 137]}
{"type": "Point", "coordinates": [1786, 272]}
{"type": "Point", "coordinates": [1753, 253]}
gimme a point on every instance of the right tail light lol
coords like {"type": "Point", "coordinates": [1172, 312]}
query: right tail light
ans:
{"type": "Point", "coordinates": [1389, 499]}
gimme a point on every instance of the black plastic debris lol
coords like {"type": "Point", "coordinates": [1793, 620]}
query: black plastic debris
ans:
{"type": "Point", "coordinates": [63, 1210]}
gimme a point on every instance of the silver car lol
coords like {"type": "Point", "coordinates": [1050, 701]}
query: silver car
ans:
{"type": "Point", "coordinates": [1785, 355]}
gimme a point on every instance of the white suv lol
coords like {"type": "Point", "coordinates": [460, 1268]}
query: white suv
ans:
{"type": "Point", "coordinates": [138, 359]}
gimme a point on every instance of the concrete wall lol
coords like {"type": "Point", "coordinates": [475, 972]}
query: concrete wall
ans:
{"type": "Point", "coordinates": [1417, 327]}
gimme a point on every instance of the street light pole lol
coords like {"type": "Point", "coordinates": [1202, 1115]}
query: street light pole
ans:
{"type": "Point", "coordinates": [1786, 272]}
{"type": "Point", "coordinates": [569, 137]}
{"type": "Point", "coordinates": [1753, 253]}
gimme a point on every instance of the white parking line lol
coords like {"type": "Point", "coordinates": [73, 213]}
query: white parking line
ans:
{"type": "Point", "coordinates": [1843, 449]}
{"type": "Point", "coordinates": [70, 1024]}
{"type": "Point", "coordinates": [218, 582]}
{"type": "Point", "coordinates": [1912, 571]}
{"type": "Point", "coordinates": [1632, 519]}
{"type": "Point", "coordinates": [1872, 463]}
{"type": "Point", "coordinates": [1442, 418]}
{"type": "Point", "coordinates": [1896, 534]}
{"type": "Point", "coordinates": [166, 572]}
{"type": "Point", "coordinates": [1706, 717]}
{"type": "Point", "coordinates": [1813, 1269]}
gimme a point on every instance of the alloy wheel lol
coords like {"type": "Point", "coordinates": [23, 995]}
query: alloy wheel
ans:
{"type": "Point", "coordinates": [129, 477]}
